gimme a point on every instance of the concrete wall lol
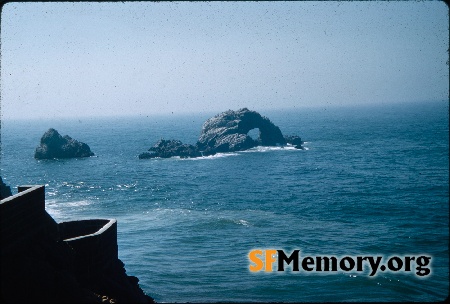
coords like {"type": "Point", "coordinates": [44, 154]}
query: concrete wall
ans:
{"type": "Point", "coordinates": [23, 216]}
{"type": "Point", "coordinates": [94, 242]}
{"type": "Point", "coordinates": [69, 262]}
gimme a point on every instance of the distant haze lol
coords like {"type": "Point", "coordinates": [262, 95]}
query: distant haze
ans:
{"type": "Point", "coordinates": [143, 58]}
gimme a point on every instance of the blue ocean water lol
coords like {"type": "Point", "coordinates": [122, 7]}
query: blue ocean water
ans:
{"type": "Point", "coordinates": [373, 180]}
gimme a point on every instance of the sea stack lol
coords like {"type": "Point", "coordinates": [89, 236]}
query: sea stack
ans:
{"type": "Point", "coordinates": [53, 145]}
{"type": "Point", "coordinates": [228, 132]}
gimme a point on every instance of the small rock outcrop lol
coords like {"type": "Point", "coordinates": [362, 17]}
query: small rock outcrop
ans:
{"type": "Point", "coordinates": [5, 190]}
{"type": "Point", "coordinates": [226, 132]}
{"type": "Point", "coordinates": [53, 145]}
{"type": "Point", "coordinates": [169, 148]}
{"type": "Point", "coordinates": [295, 141]}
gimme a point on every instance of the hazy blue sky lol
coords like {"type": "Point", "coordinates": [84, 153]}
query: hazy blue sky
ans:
{"type": "Point", "coordinates": [87, 59]}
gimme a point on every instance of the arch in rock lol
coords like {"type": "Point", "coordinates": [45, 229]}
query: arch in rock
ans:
{"type": "Point", "coordinates": [254, 134]}
{"type": "Point", "coordinates": [229, 131]}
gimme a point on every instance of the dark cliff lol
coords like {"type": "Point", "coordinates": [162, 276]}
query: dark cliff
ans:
{"type": "Point", "coordinates": [5, 190]}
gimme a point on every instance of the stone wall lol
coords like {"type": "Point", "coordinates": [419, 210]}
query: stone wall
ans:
{"type": "Point", "coordinates": [94, 241]}
{"type": "Point", "coordinates": [23, 217]}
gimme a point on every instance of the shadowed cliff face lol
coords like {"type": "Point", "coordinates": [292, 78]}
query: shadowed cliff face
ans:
{"type": "Point", "coordinates": [226, 132]}
{"type": "Point", "coordinates": [5, 190]}
{"type": "Point", "coordinates": [53, 145]}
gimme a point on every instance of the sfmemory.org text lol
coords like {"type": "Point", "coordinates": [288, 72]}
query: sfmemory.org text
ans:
{"type": "Point", "coordinates": [266, 260]}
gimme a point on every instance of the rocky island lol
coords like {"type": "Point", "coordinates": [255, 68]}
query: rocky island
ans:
{"type": "Point", "coordinates": [226, 132]}
{"type": "Point", "coordinates": [53, 145]}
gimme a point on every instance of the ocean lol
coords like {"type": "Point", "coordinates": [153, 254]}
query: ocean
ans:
{"type": "Point", "coordinates": [372, 181]}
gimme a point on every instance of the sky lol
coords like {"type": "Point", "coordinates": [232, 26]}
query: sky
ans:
{"type": "Point", "coordinates": [142, 58]}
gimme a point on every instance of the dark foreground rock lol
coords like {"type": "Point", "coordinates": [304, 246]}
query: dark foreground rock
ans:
{"type": "Point", "coordinates": [53, 145]}
{"type": "Point", "coordinates": [5, 190]}
{"type": "Point", "coordinates": [226, 132]}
